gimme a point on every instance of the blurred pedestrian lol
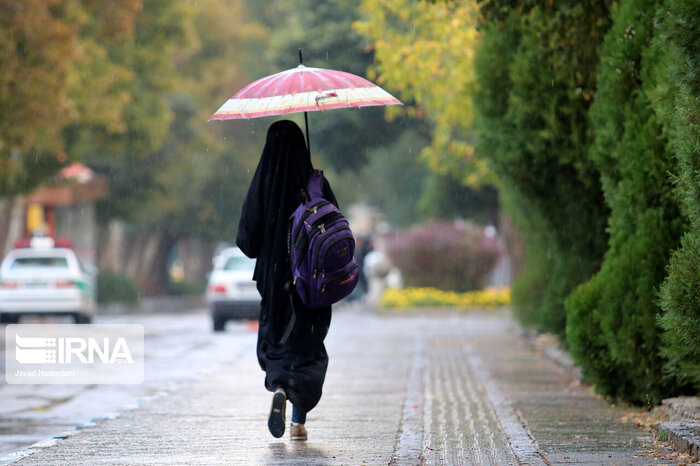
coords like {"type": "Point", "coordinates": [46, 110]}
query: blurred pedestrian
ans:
{"type": "Point", "coordinates": [290, 337]}
{"type": "Point", "coordinates": [363, 246]}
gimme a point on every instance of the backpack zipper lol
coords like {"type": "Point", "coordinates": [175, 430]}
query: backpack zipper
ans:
{"type": "Point", "coordinates": [309, 211]}
{"type": "Point", "coordinates": [349, 275]}
{"type": "Point", "coordinates": [330, 219]}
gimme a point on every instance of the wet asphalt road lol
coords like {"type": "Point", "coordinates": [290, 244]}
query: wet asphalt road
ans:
{"type": "Point", "coordinates": [441, 389]}
{"type": "Point", "coordinates": [179, 348]}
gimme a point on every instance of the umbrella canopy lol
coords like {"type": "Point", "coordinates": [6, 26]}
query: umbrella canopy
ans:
{"type": "Point", "coordinates": [303, 89]}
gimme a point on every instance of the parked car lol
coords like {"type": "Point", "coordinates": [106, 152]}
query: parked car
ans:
{"type": "Point", "coordinates": [231, 291]}
{"type": "Point", "coordinates": [41, 278]}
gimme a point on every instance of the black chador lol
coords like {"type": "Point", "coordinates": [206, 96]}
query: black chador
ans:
{"type": "Point", "coordinates": [290, 339]}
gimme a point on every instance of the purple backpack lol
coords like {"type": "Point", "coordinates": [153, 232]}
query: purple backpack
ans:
{"type": "Point", "coordinates": [321, 249]}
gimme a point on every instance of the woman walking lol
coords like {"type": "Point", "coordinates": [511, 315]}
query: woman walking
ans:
{"type": "Point", "coordinates": [290, 337]}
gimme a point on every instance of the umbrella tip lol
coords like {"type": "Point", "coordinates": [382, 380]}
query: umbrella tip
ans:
{"type": "Point", "coordinates": [301, 62]}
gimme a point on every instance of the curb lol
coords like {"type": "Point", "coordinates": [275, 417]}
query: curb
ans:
{"type": "Point", "coordinates": [548, 344]}
{"type": "Point", "coordinates": [683, 429]}
{"type": "Point", "coordinates": [683, 435]}
{"type": "Point", "coordinates": [156, 305]}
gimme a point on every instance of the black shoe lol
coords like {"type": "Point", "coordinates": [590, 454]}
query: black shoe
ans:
{"type": "Point", "coordinates": [275, 422]}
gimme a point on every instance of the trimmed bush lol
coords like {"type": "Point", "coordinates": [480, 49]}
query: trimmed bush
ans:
{"type": "Point", "coordinates": [677, 101]}
{"type": "Point", "coordinates": [536, 68]}
{"type": "Point", "coordinates": [448, 256]}
{"type": "Point", "coordinates": [582, 111]}
{"type": "Point", "coordinates": [680, 298]}
{"type": "Point", "coordinates": [115, 287]}
{"type": "Point", "coordinates": [612, 329]}
{"type": "Point", "coordinates": [185, 288]}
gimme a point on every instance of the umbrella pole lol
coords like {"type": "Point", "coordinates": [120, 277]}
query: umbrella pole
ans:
{"type": "Point", "coordinates": [306, 123]}
{"type": "Point", "coordinates": [306, 117]}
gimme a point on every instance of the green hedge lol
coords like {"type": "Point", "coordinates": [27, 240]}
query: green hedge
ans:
{"type": "Point", "coordinates": [115, 287]}
{"type": "Point", "coordinates": [588, 114]}
{"type": "Point", "coordinates": [677, 101]}
{"type": "Point", "coordinates": [616, 311]}
{"type": "Point", "coordinates": [185, 288]}
{"type": "Point", "coordinates": [536, 70]}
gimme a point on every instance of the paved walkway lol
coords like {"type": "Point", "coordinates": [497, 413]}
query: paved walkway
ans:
{"type": "Point", "coordinates": [402, 390]}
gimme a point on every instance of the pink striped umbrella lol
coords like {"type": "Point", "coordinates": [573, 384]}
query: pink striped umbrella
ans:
{"type": "Point", "coordinates": [303, 89]}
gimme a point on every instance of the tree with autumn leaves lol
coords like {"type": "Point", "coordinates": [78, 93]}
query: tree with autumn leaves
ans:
{"type": "Point", "coordinates": [38, 46]}
{"type": "Point", "coordinates": [426, 51]}
{"type": "Point", "coordinates": [126, 88]}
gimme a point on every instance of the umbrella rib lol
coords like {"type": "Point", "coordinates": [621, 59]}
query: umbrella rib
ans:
{"type": "Point", "coordinates": [264, 85]}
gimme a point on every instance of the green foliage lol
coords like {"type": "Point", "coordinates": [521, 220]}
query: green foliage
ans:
{"type": "Point", "coordinates": [123, 144]}
{"type": "Point", "coordinates": [323, 30]}
{"type": "Point", "coordinates": [426, 51]}
{"type": "Point", "coordinates": [644, 225]}
{"type": "Point", "coordinates": [677, 100]}
{"type": "Point", "coordinates": [185, 288]}
{"type": "Point", "coordinates": [395, 175]}
{"type": "Point", "coordinates": [680, 299]}
{"type": "Point", "coordinates": [38, 47]}
{"type": "Point", "coordinates": [536, 67]}
{"type": "Point", "coordinates": [586, 183]}
{"type": "Point", "coordinates": [171, 65]}
{"type": "Point", "coordinates": [396, 181]}
{"type": "Point", "coordinates": [20, 172]}
{"type": "Point", "coordinates": [444, 197]}
{"type": "Point", "coordinates": [114, 287]}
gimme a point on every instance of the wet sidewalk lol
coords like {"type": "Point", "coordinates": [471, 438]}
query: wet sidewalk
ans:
{"type": "Point", "coordinates": [452, 389]}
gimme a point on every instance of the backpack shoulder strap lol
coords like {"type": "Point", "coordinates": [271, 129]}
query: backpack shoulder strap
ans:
{"type": "Point", "coordinates": [315, 186]}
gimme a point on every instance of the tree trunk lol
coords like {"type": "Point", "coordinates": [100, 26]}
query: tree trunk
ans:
{"type": "Point", "coordinates": [111, 247]}
{"type": "Point", "coordinates": [147, 261]}
{"type": "Point", "coordinates": [514, 245]}
{"type": "Point", "coordinates": [196, 256]}
{"type": "Point", "coordinates": [152, 276]}
{"type": "Point", "coordinates": [11, 222]}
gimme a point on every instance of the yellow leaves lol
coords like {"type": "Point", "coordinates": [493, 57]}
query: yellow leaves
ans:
{"type": "Point", "coordinates": [424, 51]}
{"type": "Point", "coordinates": [423, 297]}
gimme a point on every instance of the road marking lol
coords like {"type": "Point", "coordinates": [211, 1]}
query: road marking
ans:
{"type": "Point", "coordinates": [409, 449]}
{"type": "Point", "coordinates": [521, 441]}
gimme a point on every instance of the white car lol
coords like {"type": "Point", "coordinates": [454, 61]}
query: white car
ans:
{"type": "Point", "coordinates": [231, 291]}
{"type": "Point", "coordinates": [45, 280]}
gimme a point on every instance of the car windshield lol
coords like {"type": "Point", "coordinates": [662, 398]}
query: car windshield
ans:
{"type": "Point", "coordinates": [52, 262]}
{"type": "Point", "coordinates": [239, 263]}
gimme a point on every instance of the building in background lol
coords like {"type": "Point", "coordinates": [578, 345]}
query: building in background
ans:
{"type": "Point", "coordinates": [63, 210]}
